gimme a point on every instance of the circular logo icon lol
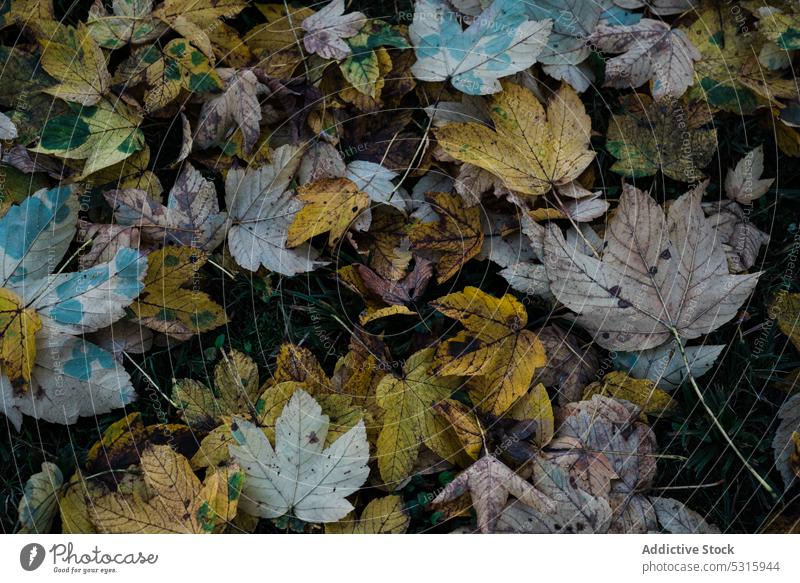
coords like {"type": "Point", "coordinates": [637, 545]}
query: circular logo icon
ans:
{"type": "Point", "coordinates": [31, 556]}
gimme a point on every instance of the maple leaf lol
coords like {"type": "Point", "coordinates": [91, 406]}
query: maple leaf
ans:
{"type": "Point", "coordinates": [191, 217]}
{"type": "Point", "coordinates": [176, 501]}
{"type": "Point", "coordinates": [102, 135]}
{"type": "Point", "coordinates": [744, 184]}
{"type": "Point", "coordinates": [652, 51]}
{"type": "Point", "coordinates": [181, 66]}
{"type": "Point", "coordinates": [39, 503]}
{"type": "Point", "coordinates": [405, 291]}
{"type": "Point", "coordinates": [260, 210]}
{"type": "Point", "coordinates": [659, 277]}
{"type": "Point", "coordinates": [571, 509]}
{"type": "Point", "coordinates": [495, 347]}
{"type": "Point", "coordinates": [457, 236]}
{"type": "Point", "coordinates": [644, 140]}
{"type": "Point", "coordinates": [569, 366]}
{"type": "Point", "coordinates": [333, 206]}
{"type": "Point", "coordinates": [196, 19]}
{"type": "Point", "coordinates": [728, 72]}
{"type": "Point", "coordinates": [326, 30]}
{"type": "Point", "coordinates": [237, 107]}
{"type": "Point", "coordinates": [73, 58]}
{"type": "Point", "coordinates": [496, 45]}
{"type": "Point", "coordinates": [297, 475]}
{"type": "Point", "coordinates": [45, 315]}
{"type": "Point", "coordinates": [489, 483]}
{"type": "Point", "coordinates": [410, 419]}
{"type": "Point", "coordinates": [166, 306]}
{"type": "Point", "coordinates": [277, 43]}
{"type": "Point", "coordinates": [530, 150]}
{"type": "Point", "coordinates": [741, 240]}
{"type": "Point", "coordinates": [131, 22]}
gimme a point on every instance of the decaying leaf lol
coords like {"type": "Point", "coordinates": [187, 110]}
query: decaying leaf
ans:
{"type": "Point", "coordinates": [675, 517]}
{"type": "Point", "coordinates": [641, 392]}
{"type": "Point", "coordinates": [489, 483]}
{"type": "Point", "coordinates": [530, 150]}
{"type": "Point", "coordinates": [651, 51]}
{"type": "Point", "coordinates": [457, 236]}
{"type": "Point", "coordinates": [658, 277]}
{"type": "Point", "coordinates": [39, 503]}
{"type": "Point", "coordinates": [326, 29]}
{"type": "Point", "coordinates": [744, 183]}
{"type": "Point", "coordinates": [495, 348]}
{"type": "Point", "coordinates": [167, 305]}
{"type": "Point", "coordinates": [331, 205]}
{"type": "Point", "coordinates": [297, 476]}
{"type": "Point", "coordinates": [786, 310]}
{"type": "Point", "coordinates": [644, 138]}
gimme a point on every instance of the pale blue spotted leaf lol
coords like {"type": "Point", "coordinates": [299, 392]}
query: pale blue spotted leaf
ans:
{"type": "Point", "coordinates": [498, 43]}
{"type": "Point", "coordinates": [573, 21]}
{"type": "Point", "coordinates": [35, 235]}
{"type": "Point", "coordinates": [88, 300]}
{"type": "Point", "coordinates": [72, 378]}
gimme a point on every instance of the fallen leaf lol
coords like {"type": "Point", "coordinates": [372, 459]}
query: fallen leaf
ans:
{"type": "Point", "coordinates": [675, 517]}
{"type": "Point", "coordinates": [495, 348]}
{"type": "Point", "coordinates": [496, 45]}
{"type": "Point", "coordinates": [457, 236]}
{"type": "Point", "coordinates": [166, 305]}
{"type": "Point", "coordinates": [744, 183]}
{"type": "Point", "coordinates": [39, 503]}
{"type": "Point", "coordinates": [381, 516]}
{"type": "Point", "coordinates": [489, 483]}
{"type": "Point", "coordinates": [333, 206]}
{"type": "Point", "coordinates": [530, 150]}
{"type": "Point", "coordinates": [326, 29]}
{"type": "Point", "coordinates": [785, 443]}
{"type": "Point", "coordinates": [651, 51]}
{"type": "Point", "coordinates": [298, 476]}
{"type": "Point", "coordinates": [658, 277]}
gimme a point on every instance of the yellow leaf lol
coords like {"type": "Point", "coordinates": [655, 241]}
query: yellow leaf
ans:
{"type": "Point", "coordinates": [458, 235]}
{"type": "Point", "coordinates": [410, 419]}
{"type": "Point", "coordinates": [641, 392]}
{"type": "Point", "coordinates": [278, 43]}
{"type": "Point", "coordinates": [465, 424]}
{"type": "Point", "coordinates": [174, 500]}
{"type": "Point", "coordinates": [167, 307]}
{"type": "Point", "coordinates": [74, 505]}
{"type": "Point", "coordinates": [72, 56]}
{"type": "Point", "coordinates": [381, 516]}
{"type": "Point", "coordinates": [370, 315]}
{"type": "Point", "coordinates": [298, 364]}
{"type": "Point", "coordinates": [332, 205]}
{"type": "Point", "coordinates": [786, 309]}
{"type": "Point", "coordinates": [39, 503]}
{"type": "Point", "coordinates": [495, 348]}
{"type": "Point", "coordinates": [530, 150]}
{"type": "Point", "coordinates": [18, 328]}
{"type": "Point", "coordinates": [536, 406]}
{"type": "Point", "coordinates": [222, 489]}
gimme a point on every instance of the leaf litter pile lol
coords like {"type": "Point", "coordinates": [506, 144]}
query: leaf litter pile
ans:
{"type": "Point", "coordinates": [377, 267]}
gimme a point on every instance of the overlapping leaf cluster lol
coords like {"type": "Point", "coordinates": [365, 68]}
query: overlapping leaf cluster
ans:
{"type": "Point", "coordinates": [151, 147]}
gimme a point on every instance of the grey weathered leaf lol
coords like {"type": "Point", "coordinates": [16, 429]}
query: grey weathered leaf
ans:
{"type": "Point", "coordinates": [741, 239]}
{"type": "Point", "coordinates": [651, 50]}
{"type": "Point", "coordinates": [191, 217]}
{"type": "Point", "coordinates": [326, 30]}
{"type": "Point", "coordinates": [490, 482]}
{"type": "Point", "coordinates": [744, 183]}
{"type": "Point", "coordinates": [664, 364]}
{"type": "Point", "coordinates": [657, 275]}
{"type": "Point", "coordinates": [261, 208]}
{"type": "Point", "coordinates": [675, 517]}
{"type": "Point", "coordinates": [298, 476]}
{"type": "Point", "coordinates": [575, 511]}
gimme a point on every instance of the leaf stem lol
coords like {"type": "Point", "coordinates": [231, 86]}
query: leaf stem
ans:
{"type": "Point", "coordinates": [714, 418]}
